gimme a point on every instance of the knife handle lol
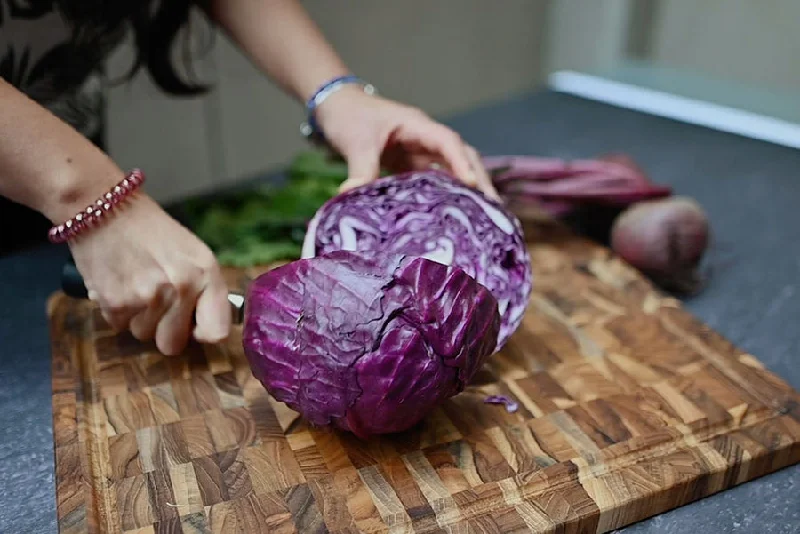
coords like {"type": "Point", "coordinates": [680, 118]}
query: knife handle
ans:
{"type": "Point", "coordinates": [72, 281]}
{"type": "Point", "coordinates": [72, 285]}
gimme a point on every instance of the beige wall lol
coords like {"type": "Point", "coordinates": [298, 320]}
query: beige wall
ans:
{"type": "Point", "coordinates": [585, 34]}
{"type": "Point", "coordinates": [755, 42]}
{"type": "Point", "coordinates": [443, 56]}
{"type": "Point", "coordinates": [752, 41]}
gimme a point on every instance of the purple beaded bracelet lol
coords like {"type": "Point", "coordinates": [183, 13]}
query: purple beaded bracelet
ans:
{"type": "Point", "coordinates": [96, 212]}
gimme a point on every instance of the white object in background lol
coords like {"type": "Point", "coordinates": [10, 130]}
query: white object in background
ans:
{"type": "Point", "coordinates": [689, 110]}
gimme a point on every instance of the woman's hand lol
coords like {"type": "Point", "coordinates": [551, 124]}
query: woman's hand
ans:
{"type": "Point", "coordinates": [370, 132]}
{"type": "Point", "coordinates": [146, 271]}
{"type": "Point", "coordinates": [151, 275]}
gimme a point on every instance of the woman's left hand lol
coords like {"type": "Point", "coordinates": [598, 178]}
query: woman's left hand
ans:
{"type": "Point", "coordinates": [371, 132]}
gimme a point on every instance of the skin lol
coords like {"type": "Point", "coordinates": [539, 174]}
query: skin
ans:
{"type": "Point", "coordinates": [279, 36]}
{"type": "Point", "coordinates": [149, 274]}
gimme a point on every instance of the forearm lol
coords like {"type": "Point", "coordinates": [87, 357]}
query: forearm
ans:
{"type": "Point", "coordinates": [44, 163]}
{"type": "Point", "coordinates": [282, 40]}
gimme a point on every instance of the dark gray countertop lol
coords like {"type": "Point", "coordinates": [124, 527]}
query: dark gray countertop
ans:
{"type": "Point", "coordinates": [752, 298]}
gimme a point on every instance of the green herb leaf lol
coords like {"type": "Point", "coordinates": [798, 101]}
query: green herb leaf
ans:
{"type": "Point", "coordinates": [267, 223]}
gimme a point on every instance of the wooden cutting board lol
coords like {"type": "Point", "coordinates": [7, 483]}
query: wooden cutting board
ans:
{"type": "Point", "coordinates": [628, 407]}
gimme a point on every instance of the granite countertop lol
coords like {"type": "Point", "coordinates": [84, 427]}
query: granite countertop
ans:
{"type": "Point", "coordinates": [750, 190]}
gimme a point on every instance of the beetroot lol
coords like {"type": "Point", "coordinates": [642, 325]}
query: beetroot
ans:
{"type": "Point", "coordinates": [561, 186]}
{"type": "Point", "coordinates": [665, 239]}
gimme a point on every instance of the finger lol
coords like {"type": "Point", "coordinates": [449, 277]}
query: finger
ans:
{"type": "Point", "coordinates": [427, 161]}
{"type": "Point", "coordinates": [116, 314]}
{"type": "Point", "coordinates": [174, 327]}
{"type": "Point", "coordinates": [213, 312]}
{"type": "Point", "coordinates": [442, 140]}
{"type": "Point", "coordinates": [118, 320]}
{"type": "Point", "coordinates": [481, 176]}
{"type": "Point", "coordinates": [363, 167]}
{"type": "Point", "coordinates": [143, 325]}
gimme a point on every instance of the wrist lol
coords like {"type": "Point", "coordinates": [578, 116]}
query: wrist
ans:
{"type": "Point", "coordinates": [309, 87]}
{"type": "Point", "coordinates": [348, 97]}
{"type": "Point", "coordinates": [77, 186]}
{"type": "Point", "coordinates": [341, 88]}
{"type": "Point", "coordinates": [80, 208]}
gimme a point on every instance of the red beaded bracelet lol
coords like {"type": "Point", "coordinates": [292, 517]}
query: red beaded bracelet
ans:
{"type": "Point", "coordinates": [94, 213]}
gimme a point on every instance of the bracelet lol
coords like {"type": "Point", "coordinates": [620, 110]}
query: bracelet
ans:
{"type": "Point", "coordinates": [310, 129]}
{"type": "Point", "coordinates": [96, 212]}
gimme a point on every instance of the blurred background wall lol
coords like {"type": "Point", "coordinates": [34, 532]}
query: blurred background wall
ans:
{"type": "Point", "coordinates": [443, 56]}
{"type": "Point", "coordinates": [446, 56]}
{"type": "Point", "coordinates": [748, 41]}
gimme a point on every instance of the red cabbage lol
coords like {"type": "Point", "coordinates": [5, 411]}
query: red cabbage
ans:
{"type": "Point", "coordinates": [510, 404]}
{"type": "Point", "coordinates": [431, 215]}
{"type": "Point", "coordinates": [367, 345]}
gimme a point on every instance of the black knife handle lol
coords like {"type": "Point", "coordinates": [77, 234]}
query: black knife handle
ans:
{"type": "Point", "coordinates": [72, 281]}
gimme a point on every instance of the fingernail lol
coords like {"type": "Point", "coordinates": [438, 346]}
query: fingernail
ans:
{"type": "Point", "coordinates": [470, 179]}
{"type": "Point", "coordinates": [214, 336]}
{"type": "Point", "coordinates": [491, 193]}
{"type": "Point", "coordinates": [351, 184]}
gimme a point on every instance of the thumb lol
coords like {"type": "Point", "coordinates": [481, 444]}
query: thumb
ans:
{"type": "Point", "coordinates": [363, 167]}
{"type": "Point", "coordinates": [213, 313]}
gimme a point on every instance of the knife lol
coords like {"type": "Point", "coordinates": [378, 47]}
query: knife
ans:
{"type": "Point", "coordinates": [72, 284]}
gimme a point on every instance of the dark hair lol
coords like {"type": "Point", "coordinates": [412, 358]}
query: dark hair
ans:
{"type": "Point", "coordinates": [155, 26]}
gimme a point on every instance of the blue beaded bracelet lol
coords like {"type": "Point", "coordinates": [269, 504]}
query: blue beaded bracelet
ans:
{"type": "Point", "coordinates": [310, 129]}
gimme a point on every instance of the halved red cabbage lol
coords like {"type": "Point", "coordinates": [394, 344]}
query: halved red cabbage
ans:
{"type": "Point", "coordinates": [367, 345]}
{"type": "Point", "coordinates": [429, 214]}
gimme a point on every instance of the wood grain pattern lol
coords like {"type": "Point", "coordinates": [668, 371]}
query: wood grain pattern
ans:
{"type": "Point", "coordinates": [629, 407]}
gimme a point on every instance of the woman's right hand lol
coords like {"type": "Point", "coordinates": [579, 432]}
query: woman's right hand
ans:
{"type": "Point", "coordinates": [151, 275]}
{"type": "Point", "coordinates": [148, 273]}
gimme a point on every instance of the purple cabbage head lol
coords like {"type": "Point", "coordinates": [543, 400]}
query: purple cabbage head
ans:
{"type": "Point", "coordinates": [367, 345]}
{"type": "Point", "coordinates": [429, 214]}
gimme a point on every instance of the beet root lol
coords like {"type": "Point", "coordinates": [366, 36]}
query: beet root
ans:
{"type": "Point", "coordinates": [665, 239]}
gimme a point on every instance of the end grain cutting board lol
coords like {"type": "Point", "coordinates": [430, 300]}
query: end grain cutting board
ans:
{"type": "Point", "coordinates": [628, 407]}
